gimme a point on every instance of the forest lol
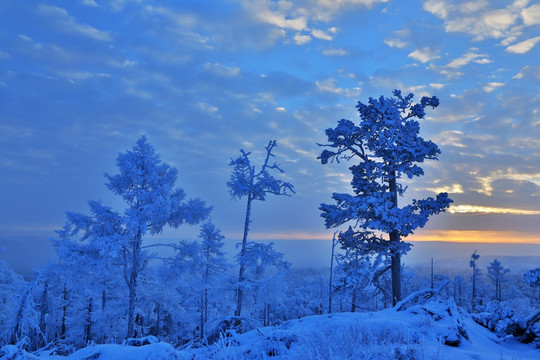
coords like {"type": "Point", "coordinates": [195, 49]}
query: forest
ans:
{"type": "Point", "coordinates": [111, 285]}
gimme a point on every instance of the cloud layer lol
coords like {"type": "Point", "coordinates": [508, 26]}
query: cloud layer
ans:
{"type": "Point", "coordinates": [82, 80]}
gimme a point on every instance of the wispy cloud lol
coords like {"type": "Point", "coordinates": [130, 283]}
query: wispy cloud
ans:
{"type": "Point", "coordinates": [471, 56]}
{"type": "Point", "coordinates": [396, 43]}
{"type": "Point", "coordinates": [477, 18]}
{"type": "Point", "coordinates": [207, 107]}
{"type": "Point", "coordinates": [492, 86]}
{"type": "Point", "coordinates": [329, 85]}
{"type": "Point", "coordinates": [320, 34]}
{"type": "Point", "coordinates": [68, 23]}
{"type": "Point", "coordinates": [301, 39]}
{"type": "Point", "coordinates": [509, 174]}
{"type": "Point", "coordinates": [531, 15]}
{"type": "Point", "coordinates": [453, 189]}
{"type": "Point", "coordinates": [335, 52]}
{"type": "Point", "coordinates": [451, 137]}
{"type": "Point", "coordinates": [425, 54]}
{"type": "Point", "coordinates": [523, 46]}
{"type": "Point", "coordinates": [222, 70]}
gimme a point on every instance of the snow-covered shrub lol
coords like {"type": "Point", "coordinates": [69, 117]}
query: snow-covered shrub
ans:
{"type": "Point", "coordinates": [443, 312]}
{"type": "Point", "coordinates": [227, 326]}
{"type": "Point", "coordinates": [532, 329]}
{"type": "Point", "coordinates": [498, 317]}
{"type": "Point", "coordinates": [13, 352]}
{"type": "Point", "coordinates": [146, 340]}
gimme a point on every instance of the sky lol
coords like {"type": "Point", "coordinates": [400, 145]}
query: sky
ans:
{"type": "Point", "coordinates": [82, 80]}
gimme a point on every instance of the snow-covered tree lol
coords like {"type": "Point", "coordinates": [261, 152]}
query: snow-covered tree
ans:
{"type": "Point", "coordinates": [213, 264]}
{"type": "Point", "coordinates": [26, 322]}
{"type": "Point", "coordinates": [474, 276]}
{"type": "Point", "coordinates": [264, 269]}
{"type": "Point", "coordinates": [357, 268]}
{"type": "Point", "coordinates": [532, 277]}
{"type": "Point", "coordinates": [246, 181]}
{"type": "Point", "coordinates": [12, 288]}
{"type": "Point", "coordinates": [387, 146]}
{"type": "Point", "coordinates": [496, 273]}
{"type": "Point", "coordinates": [90, 273]}
{"type": "Point", "coordinates": [146, 184]}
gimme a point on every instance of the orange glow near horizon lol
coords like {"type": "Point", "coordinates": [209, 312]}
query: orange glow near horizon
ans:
{"type": "Point", "coordinates": [477, 236]}
{"type": "Point", "coordinates": [462, 236]}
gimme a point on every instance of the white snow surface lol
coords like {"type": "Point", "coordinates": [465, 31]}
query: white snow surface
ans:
{"type": "Point", "coordinates": [417, 332]}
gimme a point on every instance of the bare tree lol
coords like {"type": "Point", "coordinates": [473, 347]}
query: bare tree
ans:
{"type": "Point", "coordinates": [246, 182]}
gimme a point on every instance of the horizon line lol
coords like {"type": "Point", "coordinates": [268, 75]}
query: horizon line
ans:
{"type": "Point", "coordinates": [458, 236]}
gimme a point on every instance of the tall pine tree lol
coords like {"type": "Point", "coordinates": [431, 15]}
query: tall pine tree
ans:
{"type": "Point", "coordinates": [387, 146]}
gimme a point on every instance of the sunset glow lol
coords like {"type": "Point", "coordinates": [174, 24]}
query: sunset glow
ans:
{"type": "Point", "coordinates": [476, 236]}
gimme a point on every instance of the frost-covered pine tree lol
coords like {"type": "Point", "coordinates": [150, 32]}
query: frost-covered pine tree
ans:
{"type": "Point", "coordinates": [496, 273]}
{"type": "Point", "coordinates": [246, 181]}
{"type": "Point", "coordinates": [147, 185]}
{"type": "Point", "coordinates": [387, 147]}
{"type": "Point", "coordinates": [213, 262]}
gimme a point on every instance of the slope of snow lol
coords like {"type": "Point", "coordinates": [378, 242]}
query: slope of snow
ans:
{"type": "Point", "coordinates": [419, 330]}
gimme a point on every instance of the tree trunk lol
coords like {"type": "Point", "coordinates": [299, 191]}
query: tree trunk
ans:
{"type": "Point", "coordinates": [239, 291]}
{"type": "Point", "coordinates": [201, 323]}
{"type": "Point", "coordinates": [473, 298]}
{"type": "Point", "coordinates": [158, 320]}
{"type": "Point", "coordinates": [353, 302]}
{"type": "Point", "coordinates": [395, 239]}
{"type": "Point", "coordinates": [44, 308]}
{"type": "Point", "coordinates": [264, 315]}
{"type": "Point", "coordinates": [88, 327]}
{"type": "Point", "coordinates": [103, 300]}
{"type": "Point", "coordinates": [460, 292]}
{"type": "Point", "coordinates": [204, 298]}
{"type": "Point", "coordinates": [205, 305]}
{"type": "Point", "coordinates": [330, 287]}
{"type": "Point", "coordinates": [432, 274]}
{"type": "Point", "coordinates": [64, 315]}
{"type": "Point", "coordinates": [132, 284]}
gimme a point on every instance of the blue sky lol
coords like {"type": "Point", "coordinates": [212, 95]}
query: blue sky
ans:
{"type": "Point", "coordinates": [82, 80]}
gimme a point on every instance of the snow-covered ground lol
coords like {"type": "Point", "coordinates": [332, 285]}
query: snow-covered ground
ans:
{"type": "Point", "coordinates": [425, 329]}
